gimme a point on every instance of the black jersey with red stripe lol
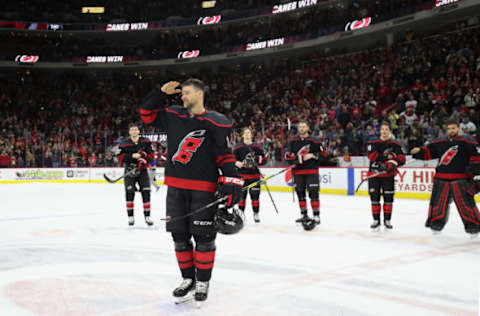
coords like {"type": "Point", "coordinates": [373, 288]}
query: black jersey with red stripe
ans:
{"type": "Point", "coordinates": [298, 147]}
{"type": "Point", "coordinates": [385, 151]}
{"type": "Point", "coordinates": [129, 147]}
{"type": "Point", "coordinates": [197, 143]}
{"type": "Point", "coordinates": [241, 151]}
{"type": "Point", "coordinates": [454, 155]}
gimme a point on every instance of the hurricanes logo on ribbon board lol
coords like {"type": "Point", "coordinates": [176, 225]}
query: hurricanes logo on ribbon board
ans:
{"type": "Point", "coordinates": [358, 24]}
{"type": "Point", "coordinates": [207, 20]}
{"type": "Point", "coordinates": [188, 54]}
{"type": "Point", "coordinates": [27, 59]}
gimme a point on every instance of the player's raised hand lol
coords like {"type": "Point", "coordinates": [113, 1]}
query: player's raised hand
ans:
{"type": "Point", "coordinates": [171, 87]}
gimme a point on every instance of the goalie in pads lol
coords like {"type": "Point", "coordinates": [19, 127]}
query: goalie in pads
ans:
{"type": "Point", "coordinates": [452, 181]}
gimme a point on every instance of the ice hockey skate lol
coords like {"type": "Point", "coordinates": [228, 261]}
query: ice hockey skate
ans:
{"type": "Point", "coordinates": [316, 218]}
{"type": "Point", "coordinates": [131, 221]}
{"type": "Point", "coordinates": [375, 226]}
{"type": "Point", "coordinates": [388, 224]}
{"type": "Point", "coordinates": [201, 292]}
{"type": "Point", "coordinates": [256, 217]}
{"type": "Point", "coordinates": [148, 220]}
{"type": "Point", "coordinates": [183, 292]}
{"type": "Point", "coordinates": [301, 219]}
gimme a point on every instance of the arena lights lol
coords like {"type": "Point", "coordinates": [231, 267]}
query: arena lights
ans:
{"type": "Point", "coordinates": [127, 26]}
{"type": "Point", "coordinates": [358, 24]}
{"type": "Point", "coordinates": [208, 4]}
{"type": "Point", "coordinates": [26, 59]}
{"type": "Point", "coordinates": [188, 54]}
{"type": "Point", "coordinates": [206, 20]}
{"type": "Point", "coordinates": [439, 3]}
{"type": "Point", "coordinates": [104, 59]}
{"type": "Point", "coordinates": [290, 6]}
{"type": "Point", "coordinates": [266, 44]}
{"type": "Point", "coordinates": [95, 10]}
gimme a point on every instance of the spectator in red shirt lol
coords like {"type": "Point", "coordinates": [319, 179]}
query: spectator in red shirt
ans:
{"type": "Point", "coordinates": [92, 160]}
{"type": "Point", "coordinates": [4, 159]}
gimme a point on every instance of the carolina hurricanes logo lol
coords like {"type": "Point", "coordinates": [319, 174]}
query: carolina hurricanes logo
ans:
{"type": "Point", "coordinates": [209, 20]}
{"type": "Point", "coordinates": [448, 156]}
{"type": "Point", "coordinates": [188, 54]}
{"type": "Point", "coordinates": [27, 59]}
{"type": "Point", "coordinates": [188, 146]}
{"type": "Point", "coordinates": [358, 24]}
{"type": "Point", "coordinates": [304, 150]}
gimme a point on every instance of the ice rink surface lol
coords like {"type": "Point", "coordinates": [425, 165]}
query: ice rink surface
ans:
{"type": "Point", "coordinates": [66, 249]}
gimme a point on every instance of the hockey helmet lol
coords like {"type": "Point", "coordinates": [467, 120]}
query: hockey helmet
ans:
{"type": "Point", "coordinates": [308, 224]}
{"type": "Point", "coordinates": [229, 221]}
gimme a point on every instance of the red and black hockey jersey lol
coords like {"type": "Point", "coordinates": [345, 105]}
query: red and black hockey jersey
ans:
{"type": "Point", "coordinates": [385, 151]}
{"type": "Point", "coordinates": [129, 147]}
{"type": "Point", "coordinates": [241, 151]}
{"type": "Point", "coordinates": [197, 144]}
{"type": "Point", "coordinates": [298, 147]}
{"type": "Point", "coordinates": [454, 155]}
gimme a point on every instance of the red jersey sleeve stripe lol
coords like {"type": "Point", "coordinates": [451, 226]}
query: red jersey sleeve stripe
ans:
{"type": "Point", "coordinates": [223, 157]}
{"type": "Point", "coordinates": [475, 159]}
{"type": "Point", "coordinates": [373, 156]}
{"type": "Point", "coordinates": [226, 161]}
{"type": "Point", "coordinates": [148, 116]}
{"type": "Point", "coordinates": [427, 155]}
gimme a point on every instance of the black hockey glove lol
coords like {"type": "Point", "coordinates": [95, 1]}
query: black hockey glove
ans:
{"type": "Point", "coordinates": [231, 188]}
{"type": "Point", "coordinates": [391, 166]}
{"type": "Point", "coordinates": [389, 155]}
{"type": "Point", "coordinates": [378, 167]}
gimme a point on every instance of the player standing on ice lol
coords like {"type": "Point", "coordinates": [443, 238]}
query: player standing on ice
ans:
{"type": "Point", "coordinates": [249, 156]}
{"type": "Point", "coordinates": [197, 148]}
{"type": "Point", "coordinates": [306, 151]}
{"type": "Point", "coordinates": [453, 180]}
{"type": "Point", "coordinates": [385, 157]}
{"type": "Point", "coordinates": [136, 153]}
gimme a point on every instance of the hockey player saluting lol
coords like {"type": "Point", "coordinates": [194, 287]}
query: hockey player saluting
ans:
{"type": "Point", "coordinates": [306, 151]}
{"type": "Point", "coordinates": [249, 156]}
{"type": "Point", "coordinates": [452, 181]}
{"type": "Point", "coordinates": [136, 152]}
{"type": "Point", "coordinates": [197, 148]}
{"type": "Point", "coordinates": [385, 157]}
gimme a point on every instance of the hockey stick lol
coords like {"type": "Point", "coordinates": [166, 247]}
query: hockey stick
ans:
{"type": "Point", "coordinates": [271, 197]}
{"type": "Point", "coordinates": [222, 199]}
{"type": "Point", "coordinates": [378, 174]}
{"type": "Point", "coordinates": [265, 183]}
{"type": "Point", "coordinates": [368, 178]}
{"type": "Point", "coordinates": [127, 174]}
{"type": "Point", "coordinates": [266, 187]}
